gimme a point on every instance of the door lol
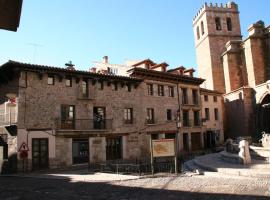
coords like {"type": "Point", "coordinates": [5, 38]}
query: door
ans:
{"type": "Point", "coordinates": [40, 155]}
{"type": "Point", "coordinates": [80, 151]}
{"type": "Point", "coordinates": [195, 141]}
{"type": "Point", "coordinates": [99, 117]}
{"type": "Point", "coordinates": [114, 148]}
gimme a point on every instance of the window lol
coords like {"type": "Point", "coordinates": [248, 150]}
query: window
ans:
{"type": "Point", "coordinates": [67, 116]}
{"type": "Point", "coordinates": [206, 98]}
{"type": "Point", "coordinates": [85, 88]}
{"type": "Point", "coordinates": [196, 118]}
{"type": "Point", "coordinates": [112, 71]}
{"type": "Point", "coordinates": [128, 88]}
{"type": "Point", "coordinates": [128, 115]}
{"type": "Point", "coordinates": [184, 96]}
{"type": "Point", "coordinates": [185, 118]}
{"type": "Point", "coordinates": [50, 80]}
{"type": "Point", "coordinates": [171, 91]}
{"type": "Point", "coordinates": [218, 23]}
{"type": "Point", "coordinates": [150, 116]}
{"type": "Point", "coordinates": [150, 89]}
{"type": "Point", "coordinates": [100, 85]}
{"type": "Point", "coordinates": [160, 90]}
{"type": "Point", "coordinates": [198, 32]}
{"type": "Point", "coordinates": [215, 98]}
{"type": "Point", "coordinates": [229, 24]}
{"type": "Point", "coordinates": [169, 114]}
{"type": "Point", "coordinates": [207, 116]}
{"type": "Point", "coordinates": [195, 97]}
{"type": "Point", "coordinates": [202, 27]}
{"type": "Point", "coordinates": [216, 114]}
{"type": "Point", "coordinates": [69, 82]}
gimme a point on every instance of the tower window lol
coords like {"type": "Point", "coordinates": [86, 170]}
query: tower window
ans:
{"type": "Point", "coordinates": [229, 24]}
{"type": "Point", "coordinates": [198, 32]}
{"type": "Point", "coordinates": [202, 27]}
{"type": "Point", "coordinates": [218, 23]}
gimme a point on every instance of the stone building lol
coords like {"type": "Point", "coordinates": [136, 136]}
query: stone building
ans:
{"type": "Point", "coordinates": [212, 115]}
{"type": "Point", "coordinates": [239, 68]}
{"type": "Point", "coordinates": [67, 117]}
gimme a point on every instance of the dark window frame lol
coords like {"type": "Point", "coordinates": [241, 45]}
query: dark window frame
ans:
{"type": "Point", "coordinates": [128, 115]}
{"type": "Point", "coordinates": [195, 97]}
{"type": "Point", "coordinates": [171, 91]}
{"type": "Point", "coordinates": [184, 95]}
{"type": "Point", "coordinates": [196, 115]}
{"type": "Point", "coordinates": [215, 98]}
{"type": "Point", "coordinates": [218, 24]}
{"type": "Point", "coordinates": [229, 23]}
{"type": "Point", "coordinates": [160, 90]}
{"type": "Point", "coordinates": [185, 118]}
{"type": "Point", "coordinates": [150, 89]}
{"type": "Point", "coordinates": [205, 98]}
{"type": "Point", "coordinates": [207, 114]}
{"type": "Point", "coordinates": [202, 27]}
{"type": "Point", "coordinates": [169, 114]}
{"type": "Point", "coordinates": [85, 88]}
{"type": "Point", "coordinates": [216, 113]}
{"type": "Point", "coordinates": [150, 116]}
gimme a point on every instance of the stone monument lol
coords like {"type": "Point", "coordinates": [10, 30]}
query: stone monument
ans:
{"type": "Point", "coordinates": [244, 152]}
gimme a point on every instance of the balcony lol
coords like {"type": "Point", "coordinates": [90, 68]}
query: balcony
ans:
{"type": "Point", "coordinates": [8, 119]}
{"type": "Point", "coordinates": [150, 121]}
{"type": "Point", "coordinates": [192, 123]}
{"type": "Point", "coordinates": [84, 124]}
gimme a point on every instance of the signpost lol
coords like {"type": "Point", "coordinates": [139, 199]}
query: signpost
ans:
{"type": "Point", "coordinates": [23, 153]}
{"type": "Point", "coordinates": [162, 148]}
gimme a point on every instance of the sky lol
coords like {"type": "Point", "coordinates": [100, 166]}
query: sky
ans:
{"type": "Point", "coordinates": [82, 31]}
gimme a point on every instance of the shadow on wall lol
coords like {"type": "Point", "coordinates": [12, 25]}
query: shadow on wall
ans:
{"type": "Point", "coordinates": [263, 117]}
{"type": "Point", "coordinates": [9, 166]}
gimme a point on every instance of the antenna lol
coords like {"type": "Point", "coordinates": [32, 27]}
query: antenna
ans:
{"type": "Point", "coordinates": [35, 46]}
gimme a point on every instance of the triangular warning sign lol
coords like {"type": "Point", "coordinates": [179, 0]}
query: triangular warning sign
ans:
{"type": "Point", "coordinates": [24, 147]}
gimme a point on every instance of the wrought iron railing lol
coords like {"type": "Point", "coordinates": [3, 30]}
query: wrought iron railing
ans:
{"type": "Point", "coordinates": [129, 167]}
{"type": "Point", "coordinates": [8, 119]}
{"type": "Point", "coordinates": [84, 124]}
{"type": "Point", "coordinates": [192, 123]}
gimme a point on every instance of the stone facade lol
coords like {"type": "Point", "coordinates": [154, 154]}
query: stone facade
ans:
{"type": "Point", "coordinates": [42, 93]}
{"type": "Point", "coordinates": [212, 114]}
{"type": "Point", "coordinates": [242, 64]}
{"type": "Point", "coordinates": [210, 41]}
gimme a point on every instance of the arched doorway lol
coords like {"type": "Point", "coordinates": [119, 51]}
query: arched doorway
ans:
{"type": "Point", "coordinates": [265, 114]}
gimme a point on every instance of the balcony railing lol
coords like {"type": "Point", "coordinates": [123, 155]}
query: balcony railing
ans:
{"type": "Point", "coordinates": [192, 123]}
{"type": "Point", "coordinates": [150, 121]}
{"type": "Point", "coordinates": [8, 119]}
{"type": "Point", "coordinates": [84, 124]}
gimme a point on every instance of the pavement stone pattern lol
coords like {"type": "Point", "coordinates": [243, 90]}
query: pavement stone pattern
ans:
{"type": "Point", "coordinates": [183, 186]}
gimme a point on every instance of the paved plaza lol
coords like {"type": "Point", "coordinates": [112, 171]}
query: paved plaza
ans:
{"type": "Point", "coordinates": [121, 187]}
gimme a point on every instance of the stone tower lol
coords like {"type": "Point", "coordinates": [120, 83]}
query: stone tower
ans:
{"type": "Point", "coordinates": [214, 26]}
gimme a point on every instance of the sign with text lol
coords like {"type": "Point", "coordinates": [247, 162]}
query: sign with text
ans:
{"type": "Point", "coordinates": [163, 147]}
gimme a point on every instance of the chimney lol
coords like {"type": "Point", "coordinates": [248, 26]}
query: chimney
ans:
{"type": "Point", "coordinates": [93, 69]}
{"type": "Point", "coordinates": [106, 59]}
{"type": "Point", "coordinates": [70, 66]}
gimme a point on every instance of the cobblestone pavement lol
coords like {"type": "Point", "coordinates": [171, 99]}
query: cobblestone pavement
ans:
{"type": "Point", "coordinates": [187, 186]}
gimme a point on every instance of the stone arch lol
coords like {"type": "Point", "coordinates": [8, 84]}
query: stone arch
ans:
{"type": "Point", "coordinates": [264, 113]}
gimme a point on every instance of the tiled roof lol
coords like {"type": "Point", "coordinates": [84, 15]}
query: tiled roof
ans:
{"type": "Point", "coordinates": [52, 69]}
{"type": "Point", "coordinates": [167, 76]}
{"type": "Point", "coordinates": [203, 90]}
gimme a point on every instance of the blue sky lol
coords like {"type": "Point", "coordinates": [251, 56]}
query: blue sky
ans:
{"type": "Point", "coordinates": [85, 30]}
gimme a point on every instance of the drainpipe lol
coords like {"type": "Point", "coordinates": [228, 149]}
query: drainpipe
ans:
{"type": "Point", "coordinates": [178, 126]}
